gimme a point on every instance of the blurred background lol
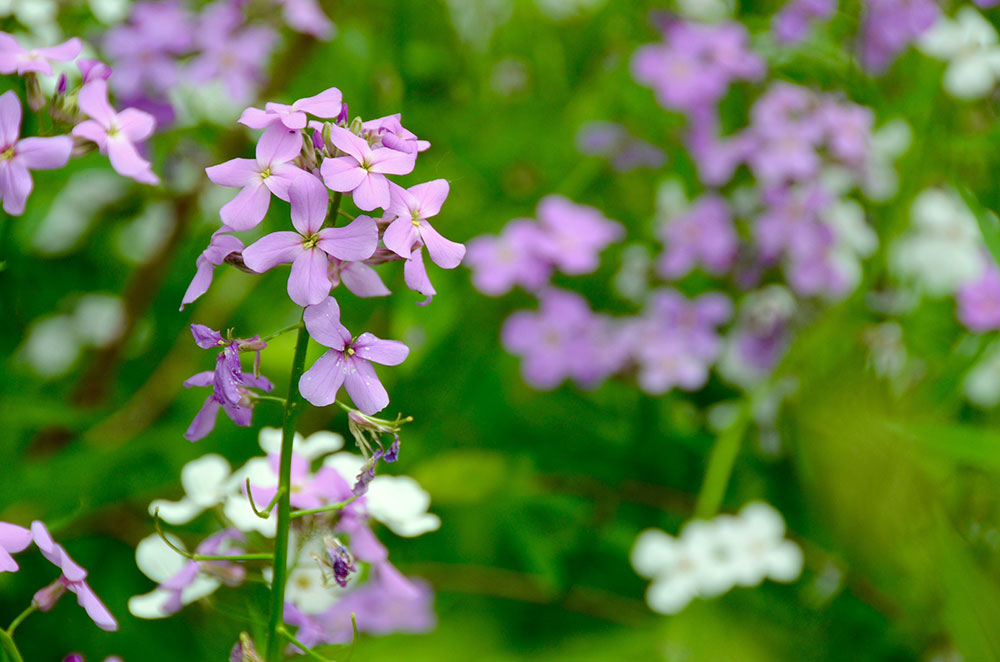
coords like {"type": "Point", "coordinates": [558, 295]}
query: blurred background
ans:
{"type": "Point", "coordinates": [888, 485]}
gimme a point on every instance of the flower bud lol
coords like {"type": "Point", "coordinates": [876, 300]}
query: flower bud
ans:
{"type": "Point", "coordinates": [46, 598]}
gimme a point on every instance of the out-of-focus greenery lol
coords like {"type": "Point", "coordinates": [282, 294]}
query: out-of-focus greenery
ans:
{"type": "Point", "coordinates": [892, 495]}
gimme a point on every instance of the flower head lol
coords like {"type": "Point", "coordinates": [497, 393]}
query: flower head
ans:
{"type": "Point", "coordinates": [116, 133]}
{"type": "Point", "coordinates": [18, 156]}
{"type": "Point", "coordinates": [362, 169]}
{"type": "Point", "coordinates": [16, 58]}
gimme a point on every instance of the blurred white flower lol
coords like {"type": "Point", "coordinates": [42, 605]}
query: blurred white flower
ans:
{"type": "Point", "coordinates": [969, 44]}
{"type": "Point", "coordinates": [160, 563]}
{"type": "Point", "coordinates": [52, 346]}
{"type": "Point", "coordinates": [705, 10]}
{"type": "Point", "coordinates": [74, 209]}
{"type": "Point", "coordinates": [709, 558]}
{"type": "Point", "coordinates": [401, 504]}
{"type": "Point", "coordinates": [942, 249]}
{"type": "Point", "coordinates": [207, 481]}
{"type": "Point", "coordinates": [99, 319]}
{"type": "Point", "coordinates": [982, 383]}
{"type": "Point", "coordinates": [889, 142]}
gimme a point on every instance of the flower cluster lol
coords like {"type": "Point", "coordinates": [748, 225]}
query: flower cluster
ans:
{"type": "Point", "coordinates": [338, 568]}
{"type": "Point", "coordinates": [166, 45]}
{"type": "Point", "coordinates": [85, 110]}
{"type": "Point", "coordinates": [711, 557]}
{"type": "Point", "coordinates": [72, 578]}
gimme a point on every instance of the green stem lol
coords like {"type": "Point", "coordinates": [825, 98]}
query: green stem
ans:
{"type": "Point", "coordinates": [292, 407]}
{"type": "Point", "coordinates": [298, 644]}
{"type": "Point", "coordinates": [277, 333]}
{"type": "Point", "coordinates": [263, 556]}
{"type": "Point", "coordinates": [324, 509]}
{"type": "Point", "coordinates": [720, 464]}
{"type": "Point", "coordinates": [272, 398]}
{"type": "Point", "coordinates": [31, 609]}
{"type": "Point", "coordinates": [8, 645]}
{"type": "Point", "coordinates": [345, 214]}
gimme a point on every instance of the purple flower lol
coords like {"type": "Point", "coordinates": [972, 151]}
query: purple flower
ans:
{"type": "Point", "coordinates": [358, 277]}
{"type": "Point", "coordinates": [91, 70]}
{"type": "Point", "coordinates": [308, 490]}
{"type": "Point", "coordinates": [16, 58]}
{"type": "Point", "coordinates": [499, 263]}
{"type": "Point", "coordinates": [271, 172]}
{"type": "Point", "coordinates": [694, 66]}
{"type": "Point", "coordinates": [308, 248]}
{"type": "Point", "coordinates": [389, 132]}
{"type": "Point", "coordinates": [339, 559]}
{"type": "Point", "coordinates": [306, 16]}
{"type": "Point", "coordinates": [347, 361]}
{"type": "Point", "coordinates": [979, 301]}
{"type": "Point", "coordinates": [17, 157]}
{"type": "Point", "coordinates": [412, 207]}
{"type": "Point", "coordinates": [415, 276]}
{"type": "Point", "coordinates": [574, 234]}
{"type": "Point", "coordinates": [116, 133]}
{"type": "Point", "coordinates": [73, 579]}
{"type": "Point", "coordinates": [564, 339]}
{"type": "Point", "coordinates": [229, 573]}
{"type": "Point", "coordinates": [791, 24]}
{"type": "Point", "coordinates": [704, 234]}
{"type": "Point", "coordinates": [219, 248]}
{"type": "Point", "coordinates": [890, 26]}
{"type": "Point", "coordinates": [612, 141]}
{"type": "Point", "coordinates": [326, 104]}
{"type": "Point", "coordinates": [13, 539]}
{"type": "Point", "coordinates": [145, 51]}
{"type": "Point", "coordinates": [231, 54]}
{"type": "Point", "coordinates": [362, 170]}
{"type": "Point", "coordinates": [229, 383]}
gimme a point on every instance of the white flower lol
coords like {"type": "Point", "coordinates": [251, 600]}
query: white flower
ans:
{"type": "Point", "coordinates": [942, 249]}
{"type": "Point", "coordinates": [237, 508]}
{"type": "Point", "coordinates": [888, 143]}
{"type": "Point", "coordinates": [757, 539]}
{"type": "Point", "coordinates": [401, 504]}
{"type": "Point", "coordinates": [969, 43]}
{"type": "Point", "coordinates": [672, 568]}
{"type": "Point", "coordinates": [159, 562]}
{"type": "Point", "coordinates": [314, 446]}
{"type": "Point", "coordinates": [207, 481]}
{"type": "Point", "coordinates": [982, 383]}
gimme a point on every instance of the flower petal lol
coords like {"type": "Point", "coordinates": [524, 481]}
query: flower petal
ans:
{"type": "Point", "coordinates": [430, 196]}
{"type": "Point", "coordinates": [355, 241]}
{"type": "Point", "coordinates": [390, 162]}
{"type": "Point", "coordinates": [93, 100]}
{"type": "Point", "coordinates": [323, 324]}
{"type": "Point", "coordinates": [386, 352]}
{"type": "Point", "coordinates": [248, 208]}
{"type": "Point", "coordinates": [446, 254]}
{"type": "Point", "coordinates": [362, 280]}
{"type": "Point", "coordinates": [14, 538]}
{"type": "Point", "coordinates": [234, 172]}
{"type": "Point", "coordinates": [310, 201]}
{"type": "Point", "coordinates": [364, 387]}
{"type": "Point", "coordinates": [10, 119]}
{"type": "Point", "coordinates": [309, 282]}
{"type": "Point", "coordinates": [15, 186]}
{"type": "Point", "coordinates": [87, 599]}
{"type": "Point", "coordinates": [372, 192]}
{"type": "Point", "coordinates": [44, 153]}
{"type": "Point", "coordinates": [349, 143]}
{"type": "Point", "coordinates": [204, 421]}
{"type": "Point", "coordinates": [326, 104]}
{"type": "Point", "coordinates": [278, 145]}
{"type": "Point", "coordinates": [320, 383]}
{"type": "Point", "coordinates": [400, 236]}
{"type": "Point", "coordinates": [342, 173]}
{"type": "Point", "coordinates": [136, 124]}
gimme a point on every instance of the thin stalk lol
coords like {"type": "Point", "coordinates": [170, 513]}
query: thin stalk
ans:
{"type": "Point", "coordinates": [292, 407]}
{"type": "Point", "coordinates": [8, 645]}
{"type": "Point", "coordinates": [263, 556]}
{"type": "Point", "coordinates": [277, 333]}
{"type": "Point", "coordinates": [324, 509]}
{"type": "Point", "coordinates": [298, 644]}
{"type": "Point", "coordinates": [720, 464]}
{"type": "Point", "coordinates": [32, 608]}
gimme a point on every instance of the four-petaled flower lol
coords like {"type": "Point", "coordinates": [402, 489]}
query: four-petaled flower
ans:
{"type": "Point", "coordinates": [16, 58]}
{"type": "Point", "coordinates": [258, 178]}
{"type": "Point", "coordinates": [307, 249]}
{"type": "Point", "coordinates": [362, 170]}
{"type": "Point", "coordinates": [347, 361]}
{"type": "Point", "coordinates": [17, 157]}
{"type": "Point", "coordinates": [412, 207]}
{"type": "Point", "coordinates": [326, 104]}
{"type": "Point", "coordinates": [116, 133]}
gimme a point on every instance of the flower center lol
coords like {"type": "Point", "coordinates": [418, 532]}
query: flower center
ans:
{"type": "Point", "coordinates": [310, 242]}
{"type": "Point", "coordinates": [7, 154]}
{"type": "Point", "coordinates": [265, 173]}
{"type": "Point", "coordinates": [349, 351]}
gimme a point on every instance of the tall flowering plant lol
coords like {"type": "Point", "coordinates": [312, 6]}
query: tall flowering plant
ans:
{"type": "Point", "coordinates": [304, 509]}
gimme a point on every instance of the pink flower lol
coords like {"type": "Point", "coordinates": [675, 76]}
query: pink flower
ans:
{"type": "Point", "coordinates": [116, 133]}
{"type": "Point", "coordinates": [13, 539]}
{"type": "Point", "coordinates": [347, 362]}
{"type": "Point", "coordinates": [308, 248]}
{"type": "Point", "coordinates": [219, 248]}
{"type": "Point", "coordinates": [362, 170]}
{"type": "Point", "coordinates": [16, 58]}
{"type": "Point", "coordinates": [326, 104]}
{"type": "Point", "coordinates": [73, 578]}
{"type": "Point", "coordinates": [17, 157]}
{"type": "Point", "coordinates": [412, 207]}
{"type": "Point", "coordinates": [270, 173]}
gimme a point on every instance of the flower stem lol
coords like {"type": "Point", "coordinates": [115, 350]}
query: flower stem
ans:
{"type": "Point", "coordinates": [8, 644]}
{"type": "Point", "coordinates": [263, 556]}
{"type": "Point", "coordinates": [324, 509]}
{"type": "Point", "coordinates": [31, 609]}
{"type": "Point", "coordinates": [720, 464]}
{"type": "Point", "coordinates": [277, 333]}
{"type": "Point", "coordinates": [292, 407]}
{"type": "Point", "coordinates": [298, 644]}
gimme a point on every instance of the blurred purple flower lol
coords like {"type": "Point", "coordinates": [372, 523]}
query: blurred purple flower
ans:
{"type": "Point", "coordinates": [230, 53]}
{"type": "Point", "coordinates": [890, 26]}
{"type": "Point", "coordinates": [613, 142]}
{"type": "Point", "coordinates": [703, 234]}
{"type": "Point", "coordinates": [979, 300]}
{"type": "Point", "coordinates": [116, 133]}
{"type": "Point", "coordinates": [499, 263]}
{"type": "Point", "coordinates": [16, 58]}
{"type": "Point", "coordinates": [307, 17]}
{"type": "Point", "coordinates": [347, 362]}
{"type": "Point", "coordinates": [574, 235]}
{"type": "Point", "coordinates": [792, 23]}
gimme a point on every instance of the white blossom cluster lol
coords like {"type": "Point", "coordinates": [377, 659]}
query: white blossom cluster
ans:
{"type": "Point", "coordinates": [710, 557]}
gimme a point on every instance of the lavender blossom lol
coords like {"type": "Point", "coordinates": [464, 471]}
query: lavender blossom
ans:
{"type": "Point", "coordinates": [704, 234]}
{"type": "Point", "coordinates": [20, 155]}
{"type": "Point", "coordinates": [362, 170]}
{"type": "Point", "coordinates": [574, 235]}
{"type": "Point", "coordinates": [116, 133]}
{"type": "Point", "coordinates": [500, 262]}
